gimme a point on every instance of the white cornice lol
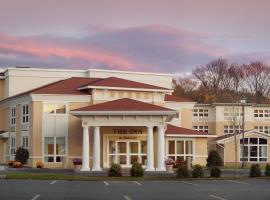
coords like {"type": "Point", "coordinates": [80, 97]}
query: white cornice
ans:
{"type": "Point", "coordinates": [126, 89]}
{"type": "Point", "coordinates": [92, 113]}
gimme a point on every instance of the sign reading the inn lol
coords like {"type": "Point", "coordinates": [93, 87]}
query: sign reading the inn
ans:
{"type": "Point", "coordinates": [127, 131]}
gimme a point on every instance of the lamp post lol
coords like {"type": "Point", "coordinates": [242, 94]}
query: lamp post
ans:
{"type": "Point", "coordinates": [243, 101]}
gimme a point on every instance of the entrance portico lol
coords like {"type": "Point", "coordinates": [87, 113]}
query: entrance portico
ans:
{"type": "Point", "coordinates": [154, 118]}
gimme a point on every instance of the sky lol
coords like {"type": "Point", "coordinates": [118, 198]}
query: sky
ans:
{"type": "Point", "coordinates": [171, 36]}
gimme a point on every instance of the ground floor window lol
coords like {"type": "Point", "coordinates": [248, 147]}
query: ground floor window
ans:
{"type": "Point", "coordinates": [12, 146]}
{"type": "Point", "coordinates": [255, 150]}
{"type": "Point", "coordinates": [54, 149]}
{"type": "Point", "coordinates": [25, 142]}
{"type": "Point", "coordinates": [127, 152]}
{"type": "Point", "coordinates": [180, 149]}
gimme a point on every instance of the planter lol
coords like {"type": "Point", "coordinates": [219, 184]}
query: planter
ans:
{"type": "Point", "coordinates": [77, 168]}
{"type": "Point", "coordinates": [169, 168]}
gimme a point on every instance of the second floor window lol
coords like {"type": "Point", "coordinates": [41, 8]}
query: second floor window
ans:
{"type": "Point", "coordinates": [13, 116]}
{"type": "Point", "coordinates": [25, 114]}
{"type": "Point", "coordinates": [263, 129]}
{"type": "Point", "coordinates": [228, 129]}
{"type": "Point", "coordinates": [200, 112]}
{"type": "Point", "coordinates": [261, 113]}
{"type": "Point", "coordinates": [201, 128]}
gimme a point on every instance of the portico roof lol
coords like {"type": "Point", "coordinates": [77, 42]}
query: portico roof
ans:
{"type": "Point", "coordinates": [180, 131]}
{"type": "Point", "coordinates": [121, 106]}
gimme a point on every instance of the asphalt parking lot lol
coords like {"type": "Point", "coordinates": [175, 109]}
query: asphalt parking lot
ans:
{"type": "Point", "coordinates": [135, 190]}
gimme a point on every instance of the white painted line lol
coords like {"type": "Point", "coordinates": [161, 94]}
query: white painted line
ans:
{"type": "Point", "coordinates": [216, 197]}
{"type": "Point", "coordinates": [239, 182]}
{"type": "Point", "coordinates": [36, 197]}
{"type": "Point", "coordinates": [127, 197]}
{"type": "Point", "coordinates": [106, 183]}
{"type": "Point", "coordinates": [136, 182]}
{"type": "Point", "coordinates": [53, 182]}
{"type": "Point", "coordinates": [189, 183]}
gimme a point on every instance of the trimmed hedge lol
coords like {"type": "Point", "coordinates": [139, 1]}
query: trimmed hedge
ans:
{"type": "Point", "coordinates": [215, 172]}
{"type": "Point", "coordinates": [267, 170]}
{"type": "Point", "coordinates": [136, 170]}
{"type": "Point", "coordinates": [182, 171]}
{"type": "Point", "coordinates": [255, 170]}
{"type": "Point", "coordinates": [214, 159]}
{"type": "Point", "coordinates": [197, 171]}
{"type": "Point", "coordinates": [115, 170]}
{"type": "Point", "coordinates": [22, 155]}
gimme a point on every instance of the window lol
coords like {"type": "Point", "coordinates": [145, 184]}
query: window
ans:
{"type": "Point", "coordinates": [25, 142]}
{"type": "Point", "coordinates": [262, 113]}
{"type": "Point", "coordinates": [255, 150]}
{"type": "Point", "coordinates": [201, 128]}
{"type": "Point", "coordinates": [13, 116]}
{"type": "Point", "coordinates": [231, 112]}
{"type": "Point", "coordinates": [54, 149]}
{"type": "Point", "coordinates": [200, 112]}
{"type": "Point", "coordinates": [263, 129]}
{"type": "Point", "coordinates": [180, 149]}
{"type": "Point", "coordinates": [25, 114]}
{"type": "Point", "coordinates": [12, 146]}
{"type": "Point", "coordinates": [228, 129]}
{"type": "Point", "coordinates": [54, 108]}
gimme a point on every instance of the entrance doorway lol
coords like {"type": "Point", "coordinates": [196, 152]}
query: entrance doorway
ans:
{"type": "Point", "coordinates": [126, 153]}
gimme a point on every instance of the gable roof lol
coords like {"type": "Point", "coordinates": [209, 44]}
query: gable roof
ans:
{"type": "Point", "coordinates": [124, 104]}
{"type": "Point", "coordinates": [169, 97]}
{"type": "Point", "coordinates": [114, 82]}
{"type": "Point", "coordinates": [176, 130]}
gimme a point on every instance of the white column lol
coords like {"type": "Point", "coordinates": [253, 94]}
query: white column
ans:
{"type": "Point", "coordinates": [150, 144]}
{"type": "Point", "coordinates": [96, 150]}
{"type": "Point", "coordinates": [161, 149]}
{"type": "Point", "coordinates": [85, 150]}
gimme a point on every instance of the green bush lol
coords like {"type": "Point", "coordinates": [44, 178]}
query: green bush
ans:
{"type": "Point", "coordinates": [255, 170]}
{"type": "Point", "coordinates": [214, 159]}
{"type": "Point", "coordinates": [197, 171]}
{"type": "Point", "coordinates": [115, 170]}
{"type": "Point", "coordinates": [182, 171]}
{"type": "Point", "coordinates": [136, 170]}
{"type": "Point", "coordinates": [267, 170]}
{"type": "Point", "coordinates": [215, 172]}
{"type": "Point", "coordinates": [22, 155]}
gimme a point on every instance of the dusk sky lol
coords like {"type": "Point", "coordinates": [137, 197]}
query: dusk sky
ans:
{"type": "Point", "coordinates": [140, 35]}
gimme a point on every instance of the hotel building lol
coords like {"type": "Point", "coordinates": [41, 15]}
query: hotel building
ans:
{"type": "Point", "coordinates": [105, 117]}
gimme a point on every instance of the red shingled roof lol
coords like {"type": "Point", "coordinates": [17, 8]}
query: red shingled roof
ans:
{"type": "Point", "coordinates": [169, 97]}
{"type": "Point", "coordinates": [176, 130]}
{"type": "Point", "coordinates": [123, 83]}
{"type": "Point", "coordinates": [124, 104]}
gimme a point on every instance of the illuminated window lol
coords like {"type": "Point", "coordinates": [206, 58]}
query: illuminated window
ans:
{"type": "Point", "coordinates": [54, 149]}
{"type": "Point", "coordinates": [50, 108]}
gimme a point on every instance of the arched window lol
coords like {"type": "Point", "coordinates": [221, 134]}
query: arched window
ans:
{"type": "Point", "coordinates": [255, 150]}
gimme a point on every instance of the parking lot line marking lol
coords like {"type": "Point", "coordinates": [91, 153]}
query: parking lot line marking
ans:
{"type": "Point", "coordinates": [189, 183]}
{"type": "Point", "coordinates": [53, 182]}
{"type": "Point", "coordinates": [106, 183]}
{"type": "Point", "coordinates": [127, 197]}
{"type": "Point", "coordinates": [139, 184]}
{"type": "Point", "coordinates": [216, 197]}
{"type": "Point", "coordinates": [239, 182]}
{"type": "Point", "coordinates": [36, 197]}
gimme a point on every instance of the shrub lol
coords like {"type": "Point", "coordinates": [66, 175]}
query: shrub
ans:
{"type": "Point", "coordinates": [17, 164]}
{"type": "Point", "coordinates": [215, 172]}
{"type": "Point", "coordinates": [136, 170]}
{"type": "Point", "coordinates": [22, 155]}
{"type": "Point", "coordinates": [10, 163]}
{"type": "Point", "coordinates": [182, 171]}
{"type": "Point", "coordinates": [179, 162]}
{"type": "Point", "coordinates": [39, 165]}
{"type": "Point", "coordinates": [115, 170]}
{"type": "Point", "coordinates": [267, 170]}
{"type": "Point", "coordinates": [197, 171]}
{"type": "Point", "coordinates": [214, 159]}
{"type": "Point", "coordinates": [255, 170]}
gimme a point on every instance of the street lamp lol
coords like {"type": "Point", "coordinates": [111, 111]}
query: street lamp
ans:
{"type": "Point", "coordinates": [243, 101]}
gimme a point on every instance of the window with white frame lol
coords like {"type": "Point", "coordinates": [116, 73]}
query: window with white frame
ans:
{"type": "Point", "coordinates": [54, 149]}
{"type": "Point", "coordinates": [261, 113]}
{"type": "Point", "coordinates": [180, 149]}
{"type": "Point", "coordinates": [228, 129]}
{"type": "Point", "coordinates": [255, 150]}
{"type": "Point", "coordinates": [25, 142]}
{"type": "Point", "coordinates": [201, 128]}
{"type": "Point", "coordinates": [13, 116]}
{"type": "Point", "coordinates": [55, 108]}
{"type": "Point", "coordinates": [263, 129]}
{"type": "Point", "coordinates": [12, 145]}
{"type": "Point", "coordinates": [200, 112]}
{"type": "Point", "coordinates": [232, 112]}
{"type": "Point", "coordinates": [25, 114]}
